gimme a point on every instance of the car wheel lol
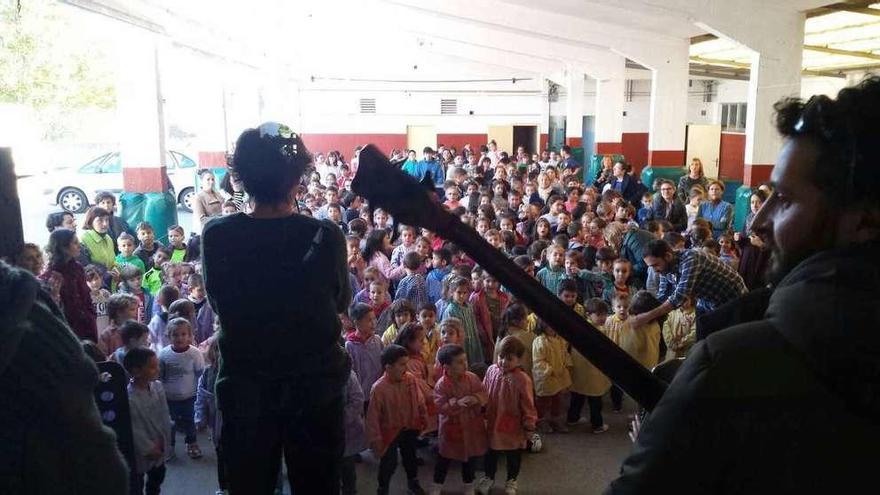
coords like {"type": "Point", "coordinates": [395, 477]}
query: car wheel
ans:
{"type": "Point", "coordinates": [186, 198]}
{"type": "Point", "coordinates": [73, 200]}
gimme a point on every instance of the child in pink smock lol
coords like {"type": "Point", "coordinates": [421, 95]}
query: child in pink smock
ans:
{"type": "Point", "coordinates": [395, 417]}
{"type": "Point", "coordinates": [460, 397]}
{"type": "Point", "coordinates": [510, 413]}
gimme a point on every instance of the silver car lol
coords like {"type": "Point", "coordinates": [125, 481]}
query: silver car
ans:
{"type": "Point", "coordinates": [72, 190]}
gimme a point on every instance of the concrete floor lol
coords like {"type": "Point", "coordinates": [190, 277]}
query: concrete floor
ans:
{"type": "Point", "coordinates": [574, 463]}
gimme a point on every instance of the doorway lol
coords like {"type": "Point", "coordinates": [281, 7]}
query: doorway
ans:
{"type": "Point", "coordinates": [503, 136]}
{"type": "Point", "coordinates": [556, 136]}
{"type": "Point", "coordinates": [419, 136]}
{"type": "Point", "coordinates": [527, 137]}
{"type": "Point", "coordinates": [704, 142]}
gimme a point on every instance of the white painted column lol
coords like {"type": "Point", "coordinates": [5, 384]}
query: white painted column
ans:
{"type": "Point", "coordinates": [574, 106]}
{"type": "Point", "coordinates": [609, 111]}
{"type": "Point", "coordinates": [544, 119]}
{"type": "Point", "coordinates": [668, 114]}
{"type": "Point", "coordinates": [775, 74]}
{"type": "Point", "coordinates": [140, 113]}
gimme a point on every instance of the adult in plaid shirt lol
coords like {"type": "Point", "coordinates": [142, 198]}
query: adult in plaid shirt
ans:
{"type": "Point", "coordinates": [706, 279]}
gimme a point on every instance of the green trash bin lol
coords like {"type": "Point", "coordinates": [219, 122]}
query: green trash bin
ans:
{"type": "Point", "coordinates": [741, 206]}
{"type": "Point", "coordinates": [650, 174]}
{"type": "Point", "coordinates": [596, 166]}
{"type": "Point", "coordinates": [157, 208]}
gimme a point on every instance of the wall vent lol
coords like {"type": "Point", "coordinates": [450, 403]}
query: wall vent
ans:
{"type": "Point", "coordinates": [368, 105]}
{"type": "Point", "coordinates": [448, 107]}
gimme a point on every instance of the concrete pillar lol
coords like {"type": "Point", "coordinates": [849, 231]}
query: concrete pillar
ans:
{"type": "Point", "coordinates": [668, 114]}
{"type": "Point", "coordinates": [574, 106]}
{"type": "Point", "coordinates": [140, 114]}
{"type": "Point", "coordinates": [609, 114]}
{"type": "Point", "coordinates": [775, 74]}
{"type": "Point", "coordinates": [544, 119]}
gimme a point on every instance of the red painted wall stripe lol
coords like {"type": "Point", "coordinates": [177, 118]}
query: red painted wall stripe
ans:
{"type": "Point", "coordinates": [666, 158]}
{"type": "Point", "coordinates": [542, 141]}
{"type": "Point", "coordinates": [757, 173]}
{"type": "Point", "coordinates": [574, 141]}
{"type": "Point", "coordinates": [212, 159]}
{"type": "Point", "coordinates": [635, 149]}
{"type": "Point", "coordinates": [143, 179]}
{"type": "Point", "coordinates": [609, 148]}
{"type": "Point", "coordinates": [459, 140]}
{"type": "Point", "coordinates": [732, 156]}
{"type": "Point", "coordinates": [345, 143]}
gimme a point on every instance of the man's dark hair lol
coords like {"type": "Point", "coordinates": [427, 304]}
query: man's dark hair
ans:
{"type": "Point", "coordinates": [657, 248]}
{"type": "Point", "coordinates": [673, 238]}
{"type": "Point", "coordinates": [102, 195]}
{"type": "Point", "coordinates": [566, 149]}
{"type": "Point", "coordinates": [392, 354]}
{"type": "Point", "coordinates": [136, 358]}
{"type": "Point", "coordinates": [449, 352]}
{"type": "Point", "coordinates": [845, 131]}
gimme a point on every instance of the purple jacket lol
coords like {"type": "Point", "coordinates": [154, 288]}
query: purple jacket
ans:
{"type": "Point", "coordinates": [365, 358]}
{"type": "Point", "coordinates": [355, 437]}
{"type": "Point", "coordinates": [206, 411]}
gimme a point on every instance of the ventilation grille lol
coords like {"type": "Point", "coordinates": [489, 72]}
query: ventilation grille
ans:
{"type": "Point", "coordinates": [368, 105]}
{"type": "Point", "coordinates": [448, 107]}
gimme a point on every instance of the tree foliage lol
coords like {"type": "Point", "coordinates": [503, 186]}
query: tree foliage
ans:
{"type": "Point", "coordinates": [48, 63]}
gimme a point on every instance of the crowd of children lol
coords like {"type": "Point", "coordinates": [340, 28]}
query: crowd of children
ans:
{"type": "Point", "coordinates": [438, 347]}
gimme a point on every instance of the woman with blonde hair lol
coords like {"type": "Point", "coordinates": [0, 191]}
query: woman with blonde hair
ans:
{"type": "Point", "coordinates": [695, 176]}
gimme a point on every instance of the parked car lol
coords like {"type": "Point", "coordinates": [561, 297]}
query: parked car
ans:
{"type": "Point", "coordinates": [74, 189]}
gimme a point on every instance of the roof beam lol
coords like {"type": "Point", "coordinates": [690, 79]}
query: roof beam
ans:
{"type": "Point", "coordinates": [732, 65]}
{"type": "Point", "coordinates": [858, 7]}
{"type": "Point", "coordinates": [838, 51]}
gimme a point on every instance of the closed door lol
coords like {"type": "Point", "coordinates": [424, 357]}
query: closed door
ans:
{"type": "Point", "coordinates": [419, 136]}
{"type": "Point", "coordinates": [503, 136]}
{"type": "Point", "coordinates": [704, 142]}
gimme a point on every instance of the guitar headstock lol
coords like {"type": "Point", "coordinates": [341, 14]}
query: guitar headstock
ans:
{"type": "Point", "coordinates": [385, 186]}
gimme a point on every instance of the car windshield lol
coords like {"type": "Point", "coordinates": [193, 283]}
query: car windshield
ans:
{"type": "Point", "coordinates": [94, 166]}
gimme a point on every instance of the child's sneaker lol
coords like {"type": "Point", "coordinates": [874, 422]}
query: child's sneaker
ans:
{"type": "Point", "coordinates": [580, 421]}
{"type": "Point", "coordinates": [600, 429]}
{"type": "Point", "coordinates": [484, 485]}
{"type": "Point", "coordinates": [415, 488]}
{"type": "Point", "coordinates": [469, 489]}
{"type": "Point", "coordinates": [510, 487]}
{"type": "Point", "coordinates": [435, 489]}
{"type": "Point", "coordinates": [193, 451]}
